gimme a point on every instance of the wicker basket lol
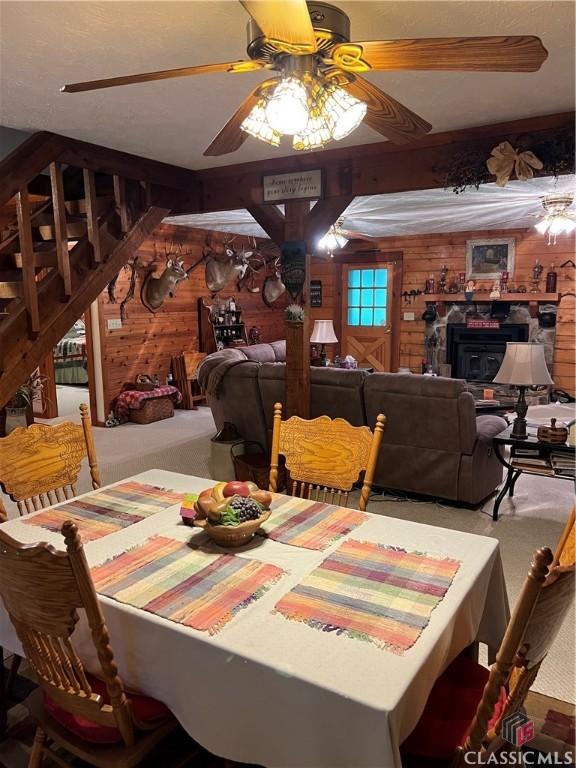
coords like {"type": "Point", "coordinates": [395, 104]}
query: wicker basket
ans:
{"type": "Point", "coordinates": [232, 535]}
{"type": "Point", "coordinates": [552, 434]}
{"type": "Point", "coordinates": [153, 409]}
{"type": "Point", "coordinates": [255, 466]}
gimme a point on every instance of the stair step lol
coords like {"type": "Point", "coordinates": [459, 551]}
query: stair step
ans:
{"type": "Point", "coordinates": [11, 290]}
{"type": "Point", "coordinates": [74, 230]}
{"type": "Point", "coordinates": [42, 258]}
{"type": "Point", "coordinates": [78, 207]}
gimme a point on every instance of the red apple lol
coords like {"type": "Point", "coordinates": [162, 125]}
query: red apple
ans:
{"type": "Point", "coordinates": [236, 488]}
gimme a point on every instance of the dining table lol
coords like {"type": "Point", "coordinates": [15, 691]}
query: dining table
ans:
{"type": "Point", "coordinates": [263, 687]}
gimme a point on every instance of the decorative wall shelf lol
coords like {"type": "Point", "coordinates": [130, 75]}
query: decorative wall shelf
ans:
{"type": "Point", "coordinates": [484, 298]}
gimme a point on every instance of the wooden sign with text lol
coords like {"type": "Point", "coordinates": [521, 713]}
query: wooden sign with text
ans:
{"type": "Point", "coordinates": [303, 185]}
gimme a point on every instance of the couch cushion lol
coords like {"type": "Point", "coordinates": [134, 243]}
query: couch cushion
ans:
{"type": "Point", "coordinates": [279, 348]}
{"type": "Point", "coordinates": [261, 353]}
{"type": "Point", "coordinates": [488, 426]}
{"type": "Point", "coordinates": [421, 411]}
{"type": "Point", "coordinates": [239, 402]}
{"type": "Point", "coordinates": [334, 392]}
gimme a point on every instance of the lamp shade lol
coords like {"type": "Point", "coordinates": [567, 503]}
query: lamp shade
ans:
{"type": "Point", "coordinates": [323, 333]}
{"type": "Point", "coordinates": [524, 364]}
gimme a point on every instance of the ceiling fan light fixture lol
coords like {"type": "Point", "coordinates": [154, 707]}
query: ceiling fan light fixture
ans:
{"type": "Point", "coordinates": [334, 239]}
{"type": "Point", "coordinates": [316, 135]}
{"type": "Point", "coordinates": [558, 219]}
{"type": "Point", "coordinates": [257, 125]}
{"type": "Point", "coordinates": [343, 112]}
{"type": "Point", "coordinates": [287, 110]}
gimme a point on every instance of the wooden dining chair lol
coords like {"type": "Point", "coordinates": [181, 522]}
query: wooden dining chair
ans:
{"type": "Point", "coordinates": [565, 554]}
{"type": "Point", "coordinates": [324, 456]}
{"type": "Point", "coordinates": [93, 718]}
{"type": "Point", "coordinates": [468, 705]}
{"type": "Point", "coordinates": [40, 464]}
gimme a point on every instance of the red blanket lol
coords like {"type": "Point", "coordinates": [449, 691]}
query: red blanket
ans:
{"type": "Point", "coordinates": [133, 400]}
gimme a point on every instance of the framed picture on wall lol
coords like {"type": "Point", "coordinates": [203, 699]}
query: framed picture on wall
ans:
{"type": "Point", "coordinates": [486, 259]}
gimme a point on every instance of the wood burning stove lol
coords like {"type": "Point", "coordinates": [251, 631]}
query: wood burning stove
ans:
{"type": "Point", "coordinates": [475, 354]}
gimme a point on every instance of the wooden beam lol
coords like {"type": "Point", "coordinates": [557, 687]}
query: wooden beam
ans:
{"type": "Point", "coordinates": [111, 161]}
{"type": "Point", "coordinates": [271, 219]}
{"type": "Point", "coordinates": [59, 207]}
{"type": "Point", "coordinates": [92, 215]}
{"type": "Point", "coordinates": [29, 284]}
{"type": "Point", "coordinates": [27, 161]}
{"type": "Point", "coordinates": [369, 169]}
{"type": "Point", "coordinates": [323, 215]}
{"type": "Point", "coordinates": [297, 213]}
{"type": "Point", "coordinates": [120, 198]}
{"type": "Point", "coordinates": [24, 354]}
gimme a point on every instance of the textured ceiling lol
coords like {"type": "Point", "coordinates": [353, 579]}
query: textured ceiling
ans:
{"type": "Point", "coordinates": [45, 44]}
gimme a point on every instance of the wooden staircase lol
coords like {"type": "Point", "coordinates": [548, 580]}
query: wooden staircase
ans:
{"type": "Point", "coordinates": [71, 216]}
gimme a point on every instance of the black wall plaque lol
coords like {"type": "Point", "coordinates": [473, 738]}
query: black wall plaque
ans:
{"type": "Point", "coordinates": [315, 293]}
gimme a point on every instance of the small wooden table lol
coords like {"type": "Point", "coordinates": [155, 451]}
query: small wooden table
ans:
{"type": "Point", "coordinates": [514, 471]}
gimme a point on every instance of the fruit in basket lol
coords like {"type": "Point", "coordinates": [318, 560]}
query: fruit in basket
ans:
{"type": "Point", "coordinates": [246, 508]}
{"type": "Point", "coordinates": [236, 488]}
{"type": "Point", "coordinates": [262, 497]}
{"type": "Point", "coordinates": [221, 507]}
{"type": "Point", "coordinates": [218, 491]}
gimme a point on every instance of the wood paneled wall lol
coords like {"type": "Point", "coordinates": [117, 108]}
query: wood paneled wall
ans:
{"type": "Point", "coordinates": [425, 254]}
{"type": "Point", "coordinates": [146, 341]}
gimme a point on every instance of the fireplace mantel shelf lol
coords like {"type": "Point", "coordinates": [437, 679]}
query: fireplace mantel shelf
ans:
{"type": "Point", "coordinates": [484, 298]}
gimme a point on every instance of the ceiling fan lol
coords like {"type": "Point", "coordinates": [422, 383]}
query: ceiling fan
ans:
{"type": "Point", "coordinates": [317, 93]}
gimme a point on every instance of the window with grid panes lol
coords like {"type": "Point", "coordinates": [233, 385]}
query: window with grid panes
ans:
{"type": "Point", "coordinates": [367, 296]}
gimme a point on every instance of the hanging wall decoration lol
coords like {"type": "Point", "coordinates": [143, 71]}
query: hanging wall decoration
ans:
{"type": "Point", "coordinates": [505, 160]}
{"type": "Point", "coordinates": [293, 270]}
{"type": "Point", "coordinates": [468, 168]}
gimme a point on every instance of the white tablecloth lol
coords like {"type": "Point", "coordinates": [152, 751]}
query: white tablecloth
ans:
{"type": "Point", "coordinates": [279, 693]}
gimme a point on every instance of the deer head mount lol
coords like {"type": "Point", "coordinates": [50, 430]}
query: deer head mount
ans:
{"type": "Point", "coordinates": [273, 286]}
{"type": "Point", "coordinates": [155, 290]}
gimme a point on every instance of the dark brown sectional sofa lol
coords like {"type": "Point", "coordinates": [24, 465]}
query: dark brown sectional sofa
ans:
{"type": "Point", "coordinates": [433, 442]}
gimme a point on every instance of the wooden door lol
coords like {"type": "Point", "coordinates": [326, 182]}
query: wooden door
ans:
{"type": "Point", "coordinates": [367, 314]}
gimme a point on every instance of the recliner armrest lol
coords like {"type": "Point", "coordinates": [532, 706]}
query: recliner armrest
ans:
{"type": "Point", "coordinates": [488, 427]}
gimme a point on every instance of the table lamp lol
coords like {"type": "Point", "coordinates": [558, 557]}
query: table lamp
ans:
{"type": "Point", "coordinates": [323, 333]}
{"type": "Point", "coordinates": [524, 365]}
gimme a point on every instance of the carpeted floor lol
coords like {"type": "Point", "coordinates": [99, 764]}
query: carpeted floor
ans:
{"type": "Point", "coordinates": [533, 518]}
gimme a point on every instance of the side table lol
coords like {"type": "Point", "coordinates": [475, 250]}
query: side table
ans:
{"type": "Point", "coordinates": [532, 444]}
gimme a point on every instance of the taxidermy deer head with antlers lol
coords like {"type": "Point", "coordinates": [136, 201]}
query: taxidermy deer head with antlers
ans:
{"type": "Point", "coordinates": [155, 290]}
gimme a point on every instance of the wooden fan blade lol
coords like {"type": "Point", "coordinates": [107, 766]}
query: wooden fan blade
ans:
{"type": "Point", "coordinates": [164, 74]}
{"type": "Point", "coordinates": [483, 54]}
{"type": "Point", "coordinates": [284, 21]}
{"type": "Point", "coordinates": [386, 115]}
{"type": "Point", "coordinates": [231, 137]}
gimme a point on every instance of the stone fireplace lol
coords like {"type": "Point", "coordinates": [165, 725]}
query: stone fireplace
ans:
{"type": "Point", "coordinates": [454, 348]}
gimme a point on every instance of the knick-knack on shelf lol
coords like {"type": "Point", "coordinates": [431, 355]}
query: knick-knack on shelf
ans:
{"type": "Point", "coordinates": [536, 275]}
{"type": "Point", "coordinates": [551, 280]}
{"type": "Point", "coordinates": [469, 292]}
